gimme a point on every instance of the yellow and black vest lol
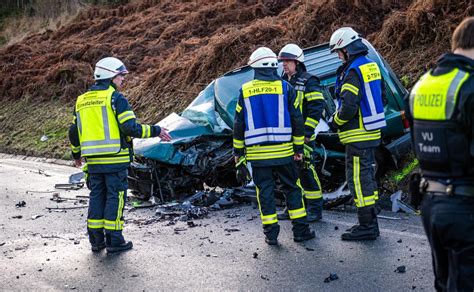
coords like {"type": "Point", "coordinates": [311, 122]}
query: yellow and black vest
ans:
{"type": "Point", "coordinates": [441, 144]}
{"type": "Point", "coordinates": [98, 129]}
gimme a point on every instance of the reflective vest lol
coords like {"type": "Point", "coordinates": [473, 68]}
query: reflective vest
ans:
{"type": "Point", "coordinates": [441, 145]}
{"type": "Point", "coordinates": [98, 129]}
{"type": "Point", "coordinates": [371, 104]}
{"type": "Point", "coordinates": [267, 120]}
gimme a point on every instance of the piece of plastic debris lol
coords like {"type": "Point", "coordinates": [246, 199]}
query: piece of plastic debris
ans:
{"type": "Point", "coordinates": [332, 277]}
{"type": "Point", "coordinates": [20, 204]}
{"type": "Point", "coordinates": [398, 204]}
{"type": "Point", "coordinates": [395, 197]}
{"type": "Point", "coordinates": [232, 229]}
{"type": "Point", "coordinates": [388, 217]}
{"type": "Point", "coordinates": [76, 178]}
{"type": "Point", "coordinates": [36, 217]}
{"type": "Point", "coordinates": [44, 138]}
{"type": "Point", "coordinates": [191, 224]}
{"type": "Point", "coordinates": [401, 269]}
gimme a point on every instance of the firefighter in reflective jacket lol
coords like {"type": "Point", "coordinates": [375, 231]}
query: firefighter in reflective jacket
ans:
{"type": "Point", "coordinates": [310, 101]}
{"type": "Point", "coordinates": [268, 131]}
{"type": "Point", "coordinates": [441, 111]}
{"type": "Point", "coordinates": [100, 133]}
{"type": "Point", "coordinates": [359, 118]}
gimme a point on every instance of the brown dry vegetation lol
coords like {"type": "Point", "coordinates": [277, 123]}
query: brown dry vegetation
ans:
{"type": "Point", "coordinates": [174, 48]}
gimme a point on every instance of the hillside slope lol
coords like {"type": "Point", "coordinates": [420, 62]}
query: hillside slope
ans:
{"type": "Point", "coordinates": [174, 49]}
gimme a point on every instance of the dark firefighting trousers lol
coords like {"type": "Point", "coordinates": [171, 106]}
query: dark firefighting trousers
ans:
{"type": "Point", "coordinates": [309, 178]}
{"type": "Point", "coordinates": [360, 175]}
{"type": "Point", "coordinates": [264, 180]}
{"type": "Point", "coordinates": [449, 225]}
{"type": "Point", "coordinates": [106, 201]}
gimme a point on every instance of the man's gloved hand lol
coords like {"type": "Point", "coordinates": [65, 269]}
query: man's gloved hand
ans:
{"type": "Point", "coordinates": [242, 172]}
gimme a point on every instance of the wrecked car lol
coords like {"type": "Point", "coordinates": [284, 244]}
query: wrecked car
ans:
{"type": "Point", "coordinates": [201, 150]}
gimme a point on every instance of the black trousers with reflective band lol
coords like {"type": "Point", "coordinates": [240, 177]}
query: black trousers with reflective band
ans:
{"type": "Point", "coordinates": [449, 225]}
{"type": "Point", "coordinates": [309, 179]}
{"type": "Point", "coordinates": [360, 175]}
{"type": "Point", "coordinates": [264, 179]}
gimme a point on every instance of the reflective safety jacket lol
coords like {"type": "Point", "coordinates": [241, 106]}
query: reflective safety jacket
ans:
{"type": "Point", "coordinates": [102, 129]}
{"type": "Point", "coordinates": [442, 139]}
{"type": "Point", "coordinates": [268, 127]}
{"type": "Point", "coordinates": [309, 99]}
{"type": "Point", "coordinates": [360, 114]}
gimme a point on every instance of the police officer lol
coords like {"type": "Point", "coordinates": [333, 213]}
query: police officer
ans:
{"type": "Point", "coordinates": [358, 120]}
{"type": "Point", "coordinates": [310, 101]}
{"type": "Point", "coordinates": [101, 131]}
{"type": "Point", "coordinates": [441, 109]}
{"type": "Point", "coordinates": [268, 132]}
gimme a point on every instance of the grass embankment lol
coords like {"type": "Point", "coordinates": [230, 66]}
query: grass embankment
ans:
{"type": "Point", "coordinates": [24, 122]}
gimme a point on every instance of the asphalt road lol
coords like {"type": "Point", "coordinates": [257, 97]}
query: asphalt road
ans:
{"type": "Point", "coordinates": [52, 251]}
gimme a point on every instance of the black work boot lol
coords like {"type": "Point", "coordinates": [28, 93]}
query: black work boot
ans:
{"type": "Point", "coordinates": [306, 235]}
{"type": "Point", "coordinates": [116, 242]}
{"type": "Point", "coordinates": [314, 210]}
{"type": "Point", "coordinates": [119, 248]}
{"type": "Point", "coordinates": [96, 238]}
{"type": "Point", "coordinates": [368, 228]}
{"type": "Point", "coordinates": [377, 210]}
{"type": "Point", "coordinates": [284, 215]}
{"type": "Point", "coordinates": [271, 232]}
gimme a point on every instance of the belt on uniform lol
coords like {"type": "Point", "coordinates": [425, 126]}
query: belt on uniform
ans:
{"type": "Point", "coordinates": [431, 186]}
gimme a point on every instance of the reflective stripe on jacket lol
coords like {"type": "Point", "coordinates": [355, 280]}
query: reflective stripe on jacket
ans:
{"type": "Point", "coordinates": [265, 112]}
{"type": "Point", "coordinates": [371, 104]}
{"type": "Point", "coordinates": [99, 133]}
{"type": "Point", "coordinates": [441, 143]}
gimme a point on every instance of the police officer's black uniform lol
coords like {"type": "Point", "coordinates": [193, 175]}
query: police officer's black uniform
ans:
{"type": "Point", "coordinates": [441, 108]}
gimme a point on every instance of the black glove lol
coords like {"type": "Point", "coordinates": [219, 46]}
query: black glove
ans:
{"type": "Point", "coordinates": [242, 174]}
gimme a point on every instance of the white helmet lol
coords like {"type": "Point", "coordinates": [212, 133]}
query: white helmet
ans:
{"type": "Point", "coordinates": [263, 57]}
{"type": "Point", "coordinates": [342, 37]}
{"type": "Point", "coordinates": [291, 52]}
{"type": "Point", "coordinates": [108, 68]}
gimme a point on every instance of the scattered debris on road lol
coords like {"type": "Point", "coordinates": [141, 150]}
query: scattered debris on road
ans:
{"type": "Point", "coordinates": [401, 269]}
{"type": "Point", "coordinates": [20, 204]}
{"type": "Point", "coordinates": [332, 277]}
{"type": "Point", "coordinates": [67, 208]}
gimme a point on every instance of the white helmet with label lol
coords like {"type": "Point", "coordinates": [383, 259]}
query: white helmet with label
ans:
{"type": "Point", "coordinates": [291, 52]}
{"type": "Point", "coordinates": [263, 57]}
{"type": "Point", "coordinates": [108, 68]}
{"type": "Point", "coordinates": [342, 37]}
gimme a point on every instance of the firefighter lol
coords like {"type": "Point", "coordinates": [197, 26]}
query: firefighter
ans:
{"type": "Point", "coordinates": [310, 101]}
{"type": "Point", "coordinates": [358, 120]}
{"type": "Point", "coordinates": [441, 111]}
{"type": "Point", "coordinates": [101, 130]}
{"type": "Point", "coordinates": [268, 132]}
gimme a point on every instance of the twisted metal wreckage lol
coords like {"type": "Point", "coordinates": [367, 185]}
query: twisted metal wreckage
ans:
{"type": "Point", "coordinates": [201, 150]}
